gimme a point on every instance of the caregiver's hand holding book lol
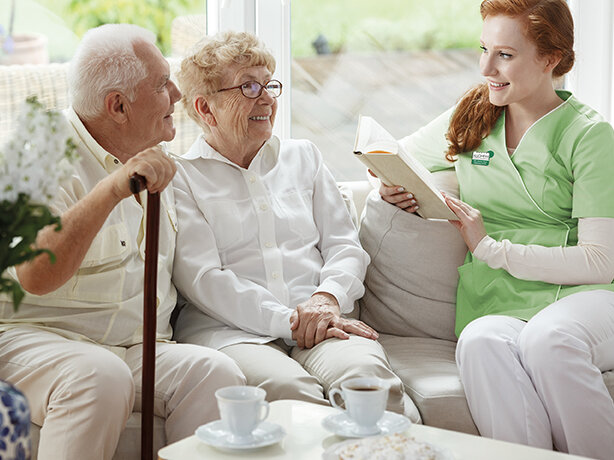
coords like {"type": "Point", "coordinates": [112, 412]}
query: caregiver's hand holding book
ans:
{"type": "Point", "coordinates": [394, 165]}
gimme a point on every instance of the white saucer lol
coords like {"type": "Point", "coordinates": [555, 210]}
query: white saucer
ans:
{"type": "Point", "coordinates": [342, 425]}
{"type": "Point", "coordinates": [215, 435]}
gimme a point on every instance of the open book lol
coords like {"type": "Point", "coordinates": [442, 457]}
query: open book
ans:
{"type": "Point", "coordinates": [389, 161]}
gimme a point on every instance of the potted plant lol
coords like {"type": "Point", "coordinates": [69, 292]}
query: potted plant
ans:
{"type": "Point", "coordinates": [22, 48]}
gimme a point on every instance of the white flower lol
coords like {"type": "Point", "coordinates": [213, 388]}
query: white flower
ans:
{"type": "Point", "coordinates": [37, 157]}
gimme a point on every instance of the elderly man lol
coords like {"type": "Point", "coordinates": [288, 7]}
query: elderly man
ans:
{"type": "Point", "coordinates": [75, 345]}
{"type": "Point", "coordinates": [267, 255]}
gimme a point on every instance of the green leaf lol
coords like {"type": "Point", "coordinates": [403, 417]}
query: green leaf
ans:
{"type": "Point", "coordinates": [18, 296]}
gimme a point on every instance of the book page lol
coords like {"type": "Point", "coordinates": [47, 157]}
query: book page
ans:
{"type": "Point", "coordinates": [371, 137]}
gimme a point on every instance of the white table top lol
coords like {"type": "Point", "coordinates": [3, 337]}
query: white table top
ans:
{"type": "Point", "coordinates": [307, 440]}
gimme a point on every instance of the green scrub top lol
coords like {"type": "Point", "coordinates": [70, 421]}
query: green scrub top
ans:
{"type": "Point", "coordinates": [561, 171]}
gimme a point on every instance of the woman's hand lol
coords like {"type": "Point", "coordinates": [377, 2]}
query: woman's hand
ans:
{"type": "Point", "coordinates": [311, 320]}
{"type": "Point", "coordinates": [469, 223]}
{"type": "Point", "coordinates": [356, 327]}
{"type": "Point", "coordinates": [319, 318]}
{"type": "Point", "coordinates": [399, 197]}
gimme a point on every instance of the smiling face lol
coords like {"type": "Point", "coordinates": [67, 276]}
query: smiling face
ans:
{"type": "Point", "coordinates": [150, 114]}
{"type": "Point", "coordinates": [515, 73]}
{"type": "Point", "coordinates": [240, 124]}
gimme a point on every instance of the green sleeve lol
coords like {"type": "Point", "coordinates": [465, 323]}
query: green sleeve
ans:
{"type": "Point", "coordinates": [429, 144]}
{"type": "Point", "coordinates": [593, 171]}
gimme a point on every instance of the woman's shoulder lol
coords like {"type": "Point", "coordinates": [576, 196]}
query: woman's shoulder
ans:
{"type": "Point", "coordinates": [579, 113]}
{"type": "Point", "coordinates": [298, 144]}
{"type": "Point", "coordinates": [303, 148]}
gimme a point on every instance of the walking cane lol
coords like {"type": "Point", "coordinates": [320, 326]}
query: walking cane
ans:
{"type": "Point", "coordinates": [137, 183]}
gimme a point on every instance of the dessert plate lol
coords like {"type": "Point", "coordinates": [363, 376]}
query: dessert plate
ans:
{"type": "Point", "coordinates": [342, 425]}
{"type": "Point", "coordinates": [215, 435]}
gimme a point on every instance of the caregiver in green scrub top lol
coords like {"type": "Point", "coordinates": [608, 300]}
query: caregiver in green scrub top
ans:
{"type": "Point", "coordinates": [535, 301]}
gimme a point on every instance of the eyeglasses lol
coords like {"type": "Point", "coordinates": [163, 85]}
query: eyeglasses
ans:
{"type": "Point", "coordinates": [253, 89]}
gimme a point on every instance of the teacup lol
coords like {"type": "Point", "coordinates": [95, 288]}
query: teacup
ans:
{"type": "Point", "coordinates": [242, 408]}
{"type": "Point", "coordinates": [365, 402]}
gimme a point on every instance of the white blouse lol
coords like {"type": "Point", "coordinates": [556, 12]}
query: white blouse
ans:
{"type": "Point", "coordinates": [254, 243]}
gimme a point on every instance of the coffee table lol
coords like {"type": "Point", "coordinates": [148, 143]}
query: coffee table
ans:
{"type": "Point", "coordinates": [306, 440]}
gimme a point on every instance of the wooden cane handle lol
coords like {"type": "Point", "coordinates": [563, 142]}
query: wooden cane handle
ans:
{"type": "Point", "coordinates": [137, 183]}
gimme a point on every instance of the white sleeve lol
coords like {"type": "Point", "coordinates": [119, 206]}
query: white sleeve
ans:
{"type": "Point", "coordinates": [219, 293]}
{"type": "Point", "coordinates": [590, 262]}
{"type": "Point", "coordinates": [345, 262]}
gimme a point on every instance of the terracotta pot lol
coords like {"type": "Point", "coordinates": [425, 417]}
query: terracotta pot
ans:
{"type": "Point", "coordinates": [27, 49]}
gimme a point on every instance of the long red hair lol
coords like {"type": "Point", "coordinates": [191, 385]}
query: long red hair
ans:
{"type": "Point", "coordinates": [549, 25]}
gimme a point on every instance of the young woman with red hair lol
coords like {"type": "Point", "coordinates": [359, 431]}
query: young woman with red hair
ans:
{"type": "Point", "coordinates": [535, 301]}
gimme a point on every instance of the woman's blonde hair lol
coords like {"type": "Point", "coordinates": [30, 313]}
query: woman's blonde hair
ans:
{"type": "Point", "coordinates": [202, 70]}
{"type": "Point", "coordinates": [549, 25]}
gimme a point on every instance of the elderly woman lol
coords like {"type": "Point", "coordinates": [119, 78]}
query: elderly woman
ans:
{"type": "Point", "coordinates": [267, 256]}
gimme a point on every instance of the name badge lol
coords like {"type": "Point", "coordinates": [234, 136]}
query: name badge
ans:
{"type": "Point", "coordinates": [482, 158]}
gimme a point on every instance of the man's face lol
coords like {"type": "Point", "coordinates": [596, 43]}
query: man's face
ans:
{"type": "Point", "coordinates": [150, 115]}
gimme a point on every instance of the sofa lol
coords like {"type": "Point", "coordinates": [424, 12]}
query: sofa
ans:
{"type": "Point", "coordinates": [410, 283]}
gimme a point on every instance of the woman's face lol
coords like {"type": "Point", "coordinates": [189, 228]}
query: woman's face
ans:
{"type": "Point", "coordinates": [242, 122]}
{"type": "Point", "coordinates": [515, 73]}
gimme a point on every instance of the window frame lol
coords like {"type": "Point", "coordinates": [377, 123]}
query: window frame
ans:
{"type": "Point", "coordinates": [592, 77]}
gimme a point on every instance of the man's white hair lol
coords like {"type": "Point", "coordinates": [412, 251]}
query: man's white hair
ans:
{"type": "Point", "coordinates": [105, 61]}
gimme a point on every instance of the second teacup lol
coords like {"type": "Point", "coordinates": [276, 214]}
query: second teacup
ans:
{"type": "Point", "coordinates": [242, 408]}
{"type": "Point", "coordinates": [365, 402]}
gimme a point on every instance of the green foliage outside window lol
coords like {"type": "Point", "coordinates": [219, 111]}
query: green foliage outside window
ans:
{"type": "Point", "coordinates": [155, 15]}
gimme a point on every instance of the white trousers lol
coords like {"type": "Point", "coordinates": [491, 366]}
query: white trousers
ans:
{"type": "Point", "coordinates": [539, 382]}
{"type": "Point", "coordinates": [308, 374]}
{"type": "Point", "coordinates": [82, 394]}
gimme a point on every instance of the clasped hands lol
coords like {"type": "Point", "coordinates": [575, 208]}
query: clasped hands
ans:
{"type": "Point", "coordinates": [470, 223]}
{"type": "Point", "coordinates": [319, 318]}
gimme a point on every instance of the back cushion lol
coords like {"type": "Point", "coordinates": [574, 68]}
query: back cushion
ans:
{"type": "Point", "coordinates": [411, 281]}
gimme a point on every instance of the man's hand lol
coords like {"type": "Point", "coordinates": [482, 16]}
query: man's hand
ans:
{"type": "Point", "coordinates": [469, 223]}
{"type": "Point", "coordinates": [399, 197]}
{"type": "Point", "coordinates": [319, 318]}
{"type": "Point", "coordinates": [153, 164]}
{"type": "Point", "coordinates": [82, 222]}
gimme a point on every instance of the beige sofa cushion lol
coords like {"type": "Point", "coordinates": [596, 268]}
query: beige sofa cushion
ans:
{"type": "Point", "coordinates": [608, 378]}
{"type": "Point", "coordinates": [410, 286]}
{"type": "Point", "coordinates": [428, 370]}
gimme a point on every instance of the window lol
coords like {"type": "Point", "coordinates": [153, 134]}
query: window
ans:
{"type": "Point", "coordinates": [401, 62]}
